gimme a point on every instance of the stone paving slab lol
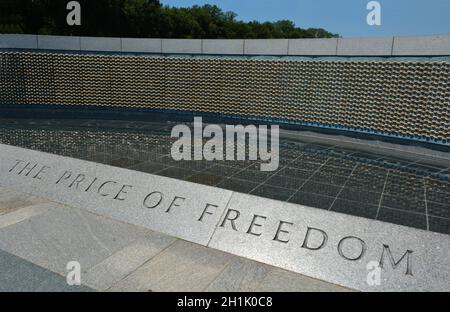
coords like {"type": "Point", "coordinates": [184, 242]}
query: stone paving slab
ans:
{"type": "Point", "coordinates": [240, 275]}
{"type": "Point", "coordinates": [190, 267]}
{"type": "Point", "coordinates": [12, 200]}
{"type": "Point", "coordinates": [182, 267]}
{"type": "Point", "coordinates": [113, 269]}
{"type": "Point", "coordinates": [25, 213]}
{"type": "Point", "coordinates": [19, 275]}
{"type": "Point", "coordinates": [278, 280]}
{"type": "Point", "coordinates": [64, 234]}
{"type": "Point", "coordinates": [153, 261]}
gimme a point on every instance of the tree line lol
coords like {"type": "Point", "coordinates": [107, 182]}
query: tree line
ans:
{"type": "Point", "coordinates": [142, 19]}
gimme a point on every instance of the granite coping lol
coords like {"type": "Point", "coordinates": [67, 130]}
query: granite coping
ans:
{"type": "Point", "coordinates": [346, 250]}
{"type": "Point", "coordinates": [434, 45]}
{"type": "Point", "coordinates": [338, 248]}
{"type": "Point", "coordinates": [173, 207]}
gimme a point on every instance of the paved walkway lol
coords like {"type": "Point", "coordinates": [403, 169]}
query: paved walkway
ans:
{"type": "Point", "coordinates": [38, 238]}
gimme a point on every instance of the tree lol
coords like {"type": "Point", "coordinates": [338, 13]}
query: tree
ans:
{"type": "Point", "coordinates": [141, 18]}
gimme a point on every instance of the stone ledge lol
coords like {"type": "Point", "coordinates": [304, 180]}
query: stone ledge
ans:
{"type": "Point", "coordinates": [100, 44]}
{"type": "Point", "coordinates": [365, 46]}
{"type": "Point", "coordinates": [18, 41]}
{"type": "Point", "coordinates": [266, 46]}
{"type": "Point", "coordinates": [223, 46]}
{"type": "Point", "coordinates": [438, 45]}
{"type": "Point", "coordinates": [141, 45]}
{"type": "Point", "coordinates": [58, 43]}
{"type": "Point", "coordinates": [330, 246]}
{"type": "Point", "coordinates": [324, 47]}
{"type": "Point", "coordinates": [186, 46]}
{"type": "Point", "coordinates": [420, 46]}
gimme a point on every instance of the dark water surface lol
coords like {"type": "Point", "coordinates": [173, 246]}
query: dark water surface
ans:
{"type": "Point", "coordinates": [414, 193]}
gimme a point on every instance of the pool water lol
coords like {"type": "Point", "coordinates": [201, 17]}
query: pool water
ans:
{"type": "Point", "coordinates": [400, 190]}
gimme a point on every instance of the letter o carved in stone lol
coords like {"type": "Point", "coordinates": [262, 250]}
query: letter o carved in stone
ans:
{"type": "Point", "coordinates": [354, 258]}
{"type": "Point", "coordinates": [153, 199]}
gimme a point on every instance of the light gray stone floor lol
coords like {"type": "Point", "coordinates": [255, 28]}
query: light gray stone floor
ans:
{"type": "Point", "coordinates": [11, 201]}
{"type": "Point", "coordinates": [21, 275]}
{"type": "Point", "coordinates": [38, 238]}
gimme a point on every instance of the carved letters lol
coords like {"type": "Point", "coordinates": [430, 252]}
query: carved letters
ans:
{"type": "Point", "coordinates": [349, 248]}
{"type": "Point", "coordinates": [313, 239]}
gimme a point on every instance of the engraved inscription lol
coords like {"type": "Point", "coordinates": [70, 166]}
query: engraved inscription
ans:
{"type": "Point", "coordinates": [29, 169]}
{"type": "Point", "coordinates": [349, 248]}
{"type": "Point", "coordinates": [310, 239]}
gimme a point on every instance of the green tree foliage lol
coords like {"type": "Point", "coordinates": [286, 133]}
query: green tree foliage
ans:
{"type": "Point", "coordinates": [141, 19]}
{"type": "Point", "coordinates": [10, 17]}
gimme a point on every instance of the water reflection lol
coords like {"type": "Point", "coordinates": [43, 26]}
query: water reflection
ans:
{"type": "Point", "coordinates": [411, 192]}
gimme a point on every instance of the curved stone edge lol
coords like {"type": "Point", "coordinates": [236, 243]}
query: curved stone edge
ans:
{"type": "Point", "coordinates": [438, 45]}
{"type": "Point", "coordinates": [411, 152]}
{"type": "Point", "coordinates": [334, 247]}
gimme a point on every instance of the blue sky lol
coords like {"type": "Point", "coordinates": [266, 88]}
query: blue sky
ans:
{"type": "Point", "coordinates": [346, 17]}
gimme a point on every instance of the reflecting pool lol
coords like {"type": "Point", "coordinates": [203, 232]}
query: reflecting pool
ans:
{"type": "Point", "coordinates": [400, 190]}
